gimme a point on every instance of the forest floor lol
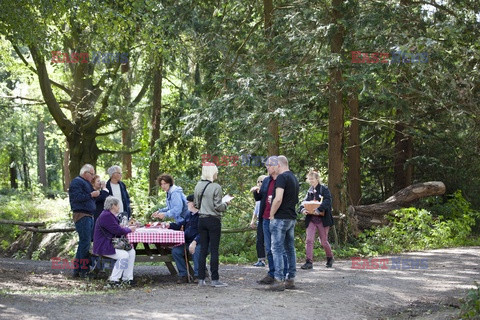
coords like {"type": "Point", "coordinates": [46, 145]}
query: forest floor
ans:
{"type": "Point", "coordinates": [32, 290]}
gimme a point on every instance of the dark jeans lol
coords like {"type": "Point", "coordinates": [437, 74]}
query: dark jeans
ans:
{"type": "Point", "coordinates": [209, 229]}
{"type": "Point", "coordinates": [260, 241]}
{"type": "Point", "coordinates": [84, 229]}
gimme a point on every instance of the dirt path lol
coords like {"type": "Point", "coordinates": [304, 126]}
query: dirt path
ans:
{"type": "Point", "coordinates": [31, 290]}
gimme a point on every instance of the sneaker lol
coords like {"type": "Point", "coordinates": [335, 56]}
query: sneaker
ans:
{"type": "Point", "coordinates": [277, 286]}
{"type": "Point", "coordinates": [183, 279]}
{"type": "Point", "coordinates": [218, 284]}
{"type": "Point", "coordinates": [266, 280]}
{"type": "Point", "coordinates": [259, 263]}
{"type": "Point", "coordinates": [113, 285]}
{"type": "Point", "coordinates": [307, 265]}
{"type": "Point", "coordinates": [329, 263]}
{"type": "Point", "coordinates": [289, 284]}
{"type": "Point", "coordinates": [129, 283]}
{"type": "Point", "coordinates": [195, 279]}
{"type": "Point", "coordinates": [202, 283]}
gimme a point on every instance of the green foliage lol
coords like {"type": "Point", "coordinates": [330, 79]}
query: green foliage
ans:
{"type": "Point", "coordinates": [28, 207]}
{"type": "Point", "coordinates": [470, 308]}
{"type": "Point", "coordinates": [417, 229]}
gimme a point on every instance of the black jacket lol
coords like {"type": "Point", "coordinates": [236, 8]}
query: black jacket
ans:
{"type": "Point", "coordinates": [262, 197]}
{"type": "Point", "coordinates": [314, 194]}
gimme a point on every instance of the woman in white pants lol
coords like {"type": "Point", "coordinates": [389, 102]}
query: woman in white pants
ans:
{"type": "Point", "coordinates": [106, 228]}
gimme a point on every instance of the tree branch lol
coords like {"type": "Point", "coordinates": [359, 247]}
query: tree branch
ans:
{"type": "Point", "coordinates": [56, 84]}
{"type": "Point", "coordinates": [142, 92]}
{"type": "Point", "coordinates": [53, 106]}
{"type": "Point", "coordinates": [109, 133]}
{"type": "Point", "coordinates": [120, 151]}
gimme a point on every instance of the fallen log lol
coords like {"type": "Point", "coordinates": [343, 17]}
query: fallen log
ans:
{"type": "Point", "coordinates": [367, 216]}
{"type": "Point", "coordinates": [49, 230]}
{"type": "Point", "coordinates": [22, 223]}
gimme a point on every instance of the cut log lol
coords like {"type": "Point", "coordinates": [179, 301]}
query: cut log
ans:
{"type": "Point", "coordinates": [367, 216]}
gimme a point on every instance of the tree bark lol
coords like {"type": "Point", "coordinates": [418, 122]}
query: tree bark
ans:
{"type": "Point", "coordinates": [354, 187]}
{"type": "Point", "coordinates": [41, 164]}
{"type": "Point", "coordinates": [155, 136]}
{"type": "Point", "coordinates": [367, 216]}
{"type": "Point", "coordinates": [273, 142]}
{"type": "Point", "coordinates": [13, 172]}
{"type": "Point", "coordinates": [65, 171]}
{"type": "Point", "coordinates": [402, 172]}
{"type": "Point", "coordinates": [336, 113]}
{"type": "Point", "coordinates": [26, 175]}
{"type": "Point", "coordinates": [127, 132]}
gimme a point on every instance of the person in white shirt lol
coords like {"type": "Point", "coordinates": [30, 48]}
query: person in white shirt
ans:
{"type": "Point", "coordinates": [118, 189]}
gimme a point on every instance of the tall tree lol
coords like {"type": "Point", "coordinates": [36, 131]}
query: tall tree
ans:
{"type": "Point", "coordinates": [41, 161]}
{"type": "Point", "coordinates": [336, 113]}
{"type": "Point", "coordinates": [154, 166]}
{"type": "Point", "coordinates": [273, 141]}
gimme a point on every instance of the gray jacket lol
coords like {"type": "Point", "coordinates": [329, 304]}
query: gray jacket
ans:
{"type": "Point", "coordinates": [212, 199]}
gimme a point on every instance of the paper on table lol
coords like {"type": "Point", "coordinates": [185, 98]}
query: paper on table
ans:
{"type": "Point", "coordinates": [227, 198]}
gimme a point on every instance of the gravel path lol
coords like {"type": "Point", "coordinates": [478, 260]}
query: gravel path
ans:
{"type": "Point", "coordinates": [32, 290]}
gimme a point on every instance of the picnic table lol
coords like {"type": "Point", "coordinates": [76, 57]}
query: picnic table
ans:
{"type": "Point", "coordinates": [157, 245]}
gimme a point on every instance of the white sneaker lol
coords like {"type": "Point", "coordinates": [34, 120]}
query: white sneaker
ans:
{"type": "Point", "coordinates": [202, 283]}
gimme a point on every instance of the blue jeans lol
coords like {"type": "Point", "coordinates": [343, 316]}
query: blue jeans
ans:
{"type": "Point", "coordinates": [283, 242]}
{"type": "Point", "coordinates": [179, 258]}
{"type": "Point", "coordinates": [268, 249]}
{"type": "Point", "coordinates": [84, 229]}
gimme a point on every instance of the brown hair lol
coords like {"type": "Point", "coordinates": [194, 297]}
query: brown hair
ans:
{"type": "Point", "coordinates": [95, 177]}
{"type": "Point", "coordinates": [165, 177]}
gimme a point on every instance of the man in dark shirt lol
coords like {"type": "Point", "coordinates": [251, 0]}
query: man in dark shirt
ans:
{"type": "Point", "coordinates": [282, 224]}
{"type": "Point", "coordinates": [82, 201]}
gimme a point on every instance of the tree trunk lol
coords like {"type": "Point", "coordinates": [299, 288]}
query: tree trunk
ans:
{"type": "Point", "coordinates": [65, 171]}
{"type": "Point", "coordinates": [273, 142]}
{"type": "Point", "coordinates": [127, 132]}
{"type": "Point", "coordinates": [13, 172]}
{"type": "Point", "coordinates": [402, 172]}
{"type": "Point", "coordinates": [41, 164]}
{"type": "Point", "coordinates": [127, 157]}
{"type": "Point", "coordinates": [83, 149]}
{"type": "Point", "coordinates": [156, 113]}
{"type": "Point", "coordinates": [367, 216]}
{"type": "Point", "coordinates": [26, 175]}
{"type": "Point", "coordinates": [335, 120]}
{"type": "Point", "coordinates": [353, 153]}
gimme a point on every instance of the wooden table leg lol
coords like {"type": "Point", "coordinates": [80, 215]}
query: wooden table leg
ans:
{"type": "Point", "coordinates": [167, 252]}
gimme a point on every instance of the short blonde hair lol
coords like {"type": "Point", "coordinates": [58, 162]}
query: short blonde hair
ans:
{"type": "Point", "coordinates": [315, 174]}
{"type": "Point", "coordinates": [208, 171]}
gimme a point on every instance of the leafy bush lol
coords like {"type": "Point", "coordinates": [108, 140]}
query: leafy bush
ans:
{"type": "Point", "coordinates": [23, 206]}
{"type": "Point", "coordinates": [417, 229]}
{"type": "Point", "coordinates": [470, 309]}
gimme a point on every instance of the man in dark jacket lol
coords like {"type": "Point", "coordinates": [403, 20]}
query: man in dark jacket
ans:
{"type": "Point", "coordinates": [192, 239]}
{"type": "Point", "coordinates": [82, 201]}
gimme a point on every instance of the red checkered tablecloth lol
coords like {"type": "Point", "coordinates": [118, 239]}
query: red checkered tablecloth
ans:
{"type": "Point", "coordinates": [157, 235]}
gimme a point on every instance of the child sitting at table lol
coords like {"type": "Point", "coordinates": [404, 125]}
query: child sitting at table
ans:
{"type": "Point", "coordinates": [192, 239]}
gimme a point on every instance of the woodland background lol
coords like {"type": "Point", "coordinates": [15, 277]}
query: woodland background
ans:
{"type": "Point", "coordinates": [240, 77]}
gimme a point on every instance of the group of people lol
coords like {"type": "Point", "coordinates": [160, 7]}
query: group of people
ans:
{"type": "Point", "coordinates": [276, 198]}
{"type": "Point", "coordinates": [96, 208]}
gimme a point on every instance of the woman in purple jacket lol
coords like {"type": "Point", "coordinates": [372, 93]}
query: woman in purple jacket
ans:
{"type": "Point", "coordinates": [106, 228]}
